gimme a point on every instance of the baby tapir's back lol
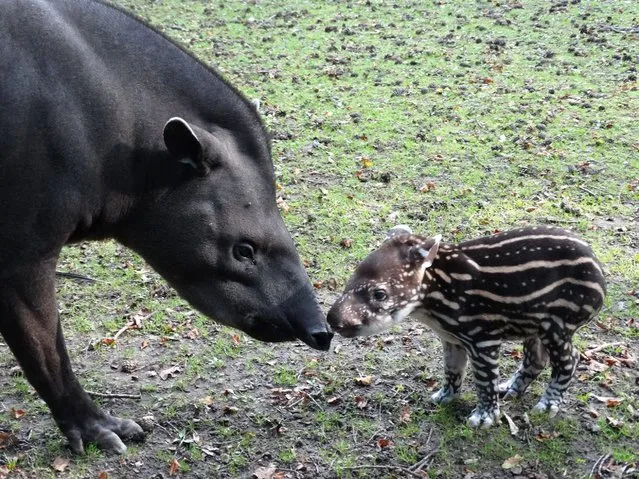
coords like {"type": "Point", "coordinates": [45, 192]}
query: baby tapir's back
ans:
{"type": "Point", "coordinates": [527, 277]}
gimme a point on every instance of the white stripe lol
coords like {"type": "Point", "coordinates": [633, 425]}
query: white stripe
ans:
{"type": "Point", "coordinates": [440, 297]}
{"type": "Point", "coordinates": [488, 344]}
{"type": "Point", "coordinates": [522, 238]}
{"type": "Point", "coordinates": [562, 303]}
{"type": "Point", "coordinates": [539, 264]}
{"type": "Point", "coordinates": [443, 275]}
{"type": "Point", "coordinates": [536, 294]}
{"type": "Point", "coordinates": [461, 276]}
{"type": "Point", "coordinates": [483, 317]}
{"type": "Point", "coordinates": [488, 359]}
{"type": "Point", "coordinates": [445, 318]}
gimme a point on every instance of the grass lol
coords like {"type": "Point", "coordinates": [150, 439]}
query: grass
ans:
{"type": "Point", "coordinates": [457, 118]}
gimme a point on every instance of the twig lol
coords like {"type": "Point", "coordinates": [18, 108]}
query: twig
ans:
{"type": "Point", "coordinates": [587, 191]}
{"type": "Point", "coordinates": [96, 394]}
{"type": "Point", "coordinates": [389, 467]}
{"type": "Point", "coordinates": [419, 465]}
{"type": "Point", "coordinates": [602, 347]}
{"type": "Point", "coordinates": [133, 324]}
{"type": "Point", "coordinates": [76, 276]}
{"type": "Point", "coordinates": [597, 467]}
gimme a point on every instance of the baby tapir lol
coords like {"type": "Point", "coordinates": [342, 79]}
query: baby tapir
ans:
{"type": "Point", "coordinates": [540, 284]}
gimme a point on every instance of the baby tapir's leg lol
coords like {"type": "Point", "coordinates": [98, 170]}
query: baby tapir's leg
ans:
{"type": "Point", "coordinates": [534, 361]}
{"type": "Point", "coordinates": [455, 359]}
{"type": "Point", "coordinates": [563, 360]}
{"type": "Point", "coordinates": [483, 356]}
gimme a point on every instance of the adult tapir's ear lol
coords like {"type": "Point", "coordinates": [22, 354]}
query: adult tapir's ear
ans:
{"type": "Point", "coordinates": [424, 257]}
{"type": "Point", "coordinates": [189, 144]}
{"type": "Point", "coordinates": [398, 230]}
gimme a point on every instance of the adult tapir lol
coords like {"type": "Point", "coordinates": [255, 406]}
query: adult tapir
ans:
{"type": "Point", "coordinates": [110, 130]}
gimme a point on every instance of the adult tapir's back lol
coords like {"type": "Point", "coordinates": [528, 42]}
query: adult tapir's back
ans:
{"type": "Point", "coordinates": [108, 129]}
{"type": "Point", "coordinates": [84, 87]}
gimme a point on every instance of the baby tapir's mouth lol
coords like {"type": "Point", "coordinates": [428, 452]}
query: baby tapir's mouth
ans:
{"type": "Point", "coordinates": [348, 331]}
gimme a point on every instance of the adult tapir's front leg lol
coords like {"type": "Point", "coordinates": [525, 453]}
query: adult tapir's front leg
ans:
{"type": "Point", "coordinates": [30, 325]}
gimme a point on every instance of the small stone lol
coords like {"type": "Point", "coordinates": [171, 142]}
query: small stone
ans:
{"type": "Point", "coordinates": [147, 423]}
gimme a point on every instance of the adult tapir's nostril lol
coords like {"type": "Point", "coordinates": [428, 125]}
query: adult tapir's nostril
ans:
{"type": "Point", "coordinates": [322, 340]}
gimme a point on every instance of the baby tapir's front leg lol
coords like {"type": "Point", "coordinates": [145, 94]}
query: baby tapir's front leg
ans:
{"type": "Point", "coordinates": [483, 356]}
{"type": "Point", "coordinates": [455, 359]}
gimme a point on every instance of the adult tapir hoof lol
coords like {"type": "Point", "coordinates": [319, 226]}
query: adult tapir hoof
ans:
{"type": "Point", "coordinates": [107, 432]}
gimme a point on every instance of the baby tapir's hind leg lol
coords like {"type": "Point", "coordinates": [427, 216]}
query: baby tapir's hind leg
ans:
{"type": "Point", "coordinates": [534, 361]}
{"type": "Point", "coordinates": [483, 356]}
{"type": "Point", "coordinates": [455, 359]}
{"type": "Point", "coordinates": [563, 359]}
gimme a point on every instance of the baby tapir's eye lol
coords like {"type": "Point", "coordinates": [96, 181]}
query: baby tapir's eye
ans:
{"type": "Point", "coordinates": [380, 295]}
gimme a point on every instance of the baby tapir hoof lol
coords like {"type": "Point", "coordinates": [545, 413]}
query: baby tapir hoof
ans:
{"type": "Point", "coordinates": [550, 406]}
{"type": "Point", "coordinates": [444, 396]}
{"type": "Point", "coordinates": [483, 418]}
{"type": "Point", "coordinates": [107, 433]}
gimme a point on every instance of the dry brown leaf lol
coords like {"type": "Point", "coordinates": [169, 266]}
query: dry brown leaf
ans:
{"type": "Point", "coordinates": [174, 467]}
{"type": "Point", "coordinates": [236, 339]}
{"type": "Point", "coordinates": [364, 380]}
{"type": "Point", "coordinates": [361, 402]}
{"type": "Point", "coordinates": [169, 372]}
{"type": "Point", "coordinates": [103, 475]}
{"type": "Point", "coordinates": [609, 401]}
{"type": "Point", "coordinates": [383, 443]}
{"type": "Point", "coordinates": [265, 472]}
{"type": "Point", "coordinates": [512, 462]}
{"type": "Point", "coordinates": [334, 400]}
{"type": "Point", "coordinates": [404, 414]}
{"type": "Point", "coordinates": [17, 413]}
{"type": "Point", "coordinates": [60, 463]}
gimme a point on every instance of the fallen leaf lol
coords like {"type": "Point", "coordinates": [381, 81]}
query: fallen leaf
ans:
{"type": "Point", "coordinates": [144, 344]}
{"type": "Point", "coordinates": [60, 463]}
{"type": "Point", "coordinates": [346, 243]}
{"type": "Point", "coordinates": [265, 472]}
{"type": "Point", "coordinates": [544, 436]}
{"type": "Point", "coordinates": [103, 475]}
{"type": "Point", "coordinates": [17, 413]}
{"type": "Point", "coordinates": [366, 162]}
{"type": "Point", "coordinates": [6, 439]}
{"type": "Point", "coordinates": [361, 402]}
{"type": "Point", "coordinates": [230, 409]}
{"type": "Point", "coordinates": [364, 380]}
{"type": "Point", "coordinates": [404, 414]}
{"type": "Point", "coordinates": [609, 401]}
{"type": "Point", "coordinates": [512, 462]}
{"type": "Point", "coordinates": [334, 400]}
{"type": "Point", "coordinates": [383, 443]}
{"type": "Point", "coordinates": [206, 401]}
{"type": "Point", "coordinates": [170, 372]}
{"type": "Point", "coordinates": [174, 467]}
{"type": "Point", "coordinates": [614, 423]}
{"type": "Point", "coordinates": [236, 339]}
{"type": "Point", "coordinates": [108, 341]}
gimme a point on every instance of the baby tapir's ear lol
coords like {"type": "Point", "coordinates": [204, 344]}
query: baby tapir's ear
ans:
{"type": "Point", "coordinates": [398, 230]}
{"type": "Point", "coordinates": [424, 257]}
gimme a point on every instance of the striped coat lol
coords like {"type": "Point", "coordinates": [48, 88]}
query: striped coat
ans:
{"type": "Point", "coordinates": [539, 284]}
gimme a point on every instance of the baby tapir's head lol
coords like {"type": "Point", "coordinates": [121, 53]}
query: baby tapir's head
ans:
{"type": "Point", "coordinates": [387, 286]}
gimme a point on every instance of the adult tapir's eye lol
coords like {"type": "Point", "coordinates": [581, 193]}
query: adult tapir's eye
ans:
{"type": "Point", "coordinates": [380, 295]}
{"type": "Point", "coordinates": [244, 252]}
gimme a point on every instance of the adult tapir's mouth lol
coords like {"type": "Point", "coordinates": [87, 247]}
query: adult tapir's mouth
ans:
{"type": "Point", "coordinates": [298, 317]}
{"type": "Point", "coordinates": [270, 331]}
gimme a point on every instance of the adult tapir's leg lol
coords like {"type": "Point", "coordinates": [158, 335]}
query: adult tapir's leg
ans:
{"type": "Point", "coordinates": [30, 325]}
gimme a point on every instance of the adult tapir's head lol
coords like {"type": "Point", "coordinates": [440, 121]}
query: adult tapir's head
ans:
{"type": "Point", "coordinates": [217, 236]}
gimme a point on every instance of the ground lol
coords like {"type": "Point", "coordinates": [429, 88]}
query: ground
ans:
{"type": "Point", "coordinates": [457, 118]}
